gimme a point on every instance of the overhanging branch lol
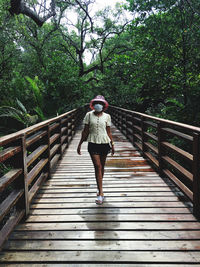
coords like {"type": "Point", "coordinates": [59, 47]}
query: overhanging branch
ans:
{"type": "Point", "coordinates": [19, 7]}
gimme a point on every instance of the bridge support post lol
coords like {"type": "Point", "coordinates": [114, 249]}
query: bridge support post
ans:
{"type": "Point", "coordinates": [60, 139]}
{"type": "Point", "coordinates": [24, 155]}
{"type": "Point", "coordinates": [196, 175]}
{"type": "Point", "coordinates": [160, 148]}
{"type": "Point", "coordinates": [133, 130]}
{"type": "Point", "coordinates": [21, 162]}
{"type": "Point", "coordinates": [48, 151]}
{"type": "Point", "coordinates": [143, 135]}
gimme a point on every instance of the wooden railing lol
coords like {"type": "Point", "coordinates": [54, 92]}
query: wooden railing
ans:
{"type": "Point", "coordinates": [172, 148]}
{"type": "Point", "coordinates": [28, 156]}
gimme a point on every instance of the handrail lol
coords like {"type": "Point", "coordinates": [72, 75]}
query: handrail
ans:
{"type": "Point", "coordinates": [13, 136]}
{"type": "Point", "coordinates": [30, 155]}
{"type": "Point", "coordinates": [183, 125]}
{"type": "Point", "coordinates": [173, 148]}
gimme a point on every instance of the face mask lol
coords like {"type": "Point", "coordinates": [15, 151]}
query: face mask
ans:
{"type": "Point", "coordinates": [98, 107]}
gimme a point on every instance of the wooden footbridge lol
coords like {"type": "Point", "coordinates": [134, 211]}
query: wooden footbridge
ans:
{"type": "Point", "coordinates": [48, 212]}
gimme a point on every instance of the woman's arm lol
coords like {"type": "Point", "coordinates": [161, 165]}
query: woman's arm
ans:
{"type": "Point", "coordinates": [84, 136]}
{"type": "Point", "coordinates": [111, 139]}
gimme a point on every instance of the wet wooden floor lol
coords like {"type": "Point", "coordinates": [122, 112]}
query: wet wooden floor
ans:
{"type": "Point", "coordinates": [144, 221]}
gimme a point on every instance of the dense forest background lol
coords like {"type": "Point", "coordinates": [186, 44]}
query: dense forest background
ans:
{"type": "Point", "coordinates": [149, 63]}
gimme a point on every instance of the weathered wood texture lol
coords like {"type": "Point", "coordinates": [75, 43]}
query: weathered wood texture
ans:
{"type": "Point", "coordinates": [29, 155]}
{"type": "Point", "coordinates": [171, 147]}
{"type": "Point", "coordinates": [144, 221]}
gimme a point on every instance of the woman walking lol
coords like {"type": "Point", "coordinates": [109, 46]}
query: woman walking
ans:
{"type": "Point", "coordinates": [98, 134]}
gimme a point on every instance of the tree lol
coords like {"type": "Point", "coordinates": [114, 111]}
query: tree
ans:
{"type": "Point", "coordinates": [90, 33]}
{"type": "Point", "coordinates": [169, 36]}
{"type": "Point", "coordinates": [38, 11]}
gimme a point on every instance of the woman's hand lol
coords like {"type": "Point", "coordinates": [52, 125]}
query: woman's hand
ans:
{"type": "Point", "coordinates": [112, 150]}
{"type": "Point", "coordinates": [79, 149]}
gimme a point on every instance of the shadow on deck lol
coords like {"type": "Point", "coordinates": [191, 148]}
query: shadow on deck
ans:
{"type": "Point", "coordinates": [144, 221]}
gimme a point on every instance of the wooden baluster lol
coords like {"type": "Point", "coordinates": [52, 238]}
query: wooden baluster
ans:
{"type": "Point", "coordinates": [67, 132]}
{"type": "Point", "coordinates": [69, 129]}
{"type": "Point", "coordinates": [73, 124]}
{"type": "Point", "coordinates": [48, 152]}
{"type": "Point", "coordinates": [126, 126]}
{"type": "Point", "coordinates": [121, 121]}
{"type": "Point", "coordinates": [21, 162]}
{"type": "Point", "coordinates": [196, 175]}
{"type": "Point", "coordinates": [66, 124]}
{"type": "Point", "coordinates": [143, 135]}
{"type": "Point", "coordinates": [60, 139]}
{"type": "Point", "coordinates": [24, 153]}
{"type": "Point", "coordinates": [160, 148]}
{"type": "Point", "coordinates": [133, 130]}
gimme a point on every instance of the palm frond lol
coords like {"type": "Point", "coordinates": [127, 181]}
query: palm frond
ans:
{"type": "Point", "coordinates": [38, 97]}
{"type": "Point", "coordinates": [21, 106]}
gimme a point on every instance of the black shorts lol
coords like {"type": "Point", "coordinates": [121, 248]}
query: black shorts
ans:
{"type": "Point", "coordinates": [98, 149]}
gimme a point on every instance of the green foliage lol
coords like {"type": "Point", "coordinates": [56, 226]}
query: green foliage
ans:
{"type": "Point", "coordinates": [152, 66]}
{"type": "Point", "coordinates": [4, 169]}
{"type": "Point", "coordinates": [37, 90]}
{"type": "Point", "coordinates": [20, 114]}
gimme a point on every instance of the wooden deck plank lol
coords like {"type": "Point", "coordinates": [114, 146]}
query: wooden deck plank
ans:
{"type": "Point", "coordinates": [144, 221]}
{"type": "Point", "coordinates": [96, 245]}
{"type": "Point", "coordinates": [107, 199]}
{"type": "Point", "coordinates": [107, 191]}
{"type": "Point", "coordinates": [119, 204]}
{"type": "Point", "coordinates": [111, 217]}
{"type": "Point", "coordinates": [101, 256]}
{"type": "Point", "coordinates": [132, 226]}
{"type": "Point", "coordinates": [110, 211]}
{"type": "Point", "coordinates": [106, 235]}
{"type": "Point", "coordinates": [93, 195]}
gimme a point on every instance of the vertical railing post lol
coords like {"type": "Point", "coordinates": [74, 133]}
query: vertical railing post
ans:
{"type": "Point", "coordinates": [126, 126]}
{"type": "Point", "coordinates": [133, 130]}
{"type": "Point", "coordinates": [143, 135]}
{"type": "Point", "coordinates": [21, 162]}
{"type": "Point", "coordinates": [119, 120]}
{"type": "Point", "coordinates": [196, 175]}
{"type": "Point", "coordinates": [60, 139]}
{"type": "Point", "coordinates": [24, 153]}
{"type": "Point", "coordinates": [48, 151]}
{"type": "Point", "coordinates": [67, 131]}
{"type": "Point", "coordinates": [122, 123]}
{"type": "Point", "coordinates": [160, 148]}
{"type": "Point", "coordinates": [73, 124]}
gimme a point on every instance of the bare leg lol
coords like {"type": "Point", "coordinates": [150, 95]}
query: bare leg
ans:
{"type": "Point", "coordinates": [103, 161]}
{"type": "Point", "coordinates": [98, 172]}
